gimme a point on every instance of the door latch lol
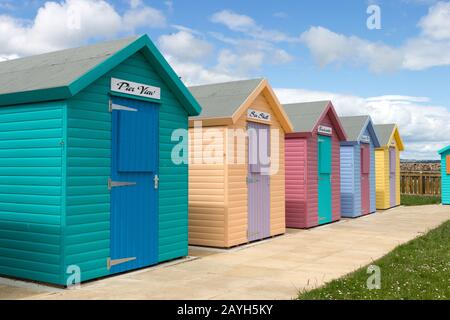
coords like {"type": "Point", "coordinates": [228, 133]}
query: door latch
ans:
{"type": "Point", "coordinates": [118, 107]}
{"type": "Point", "coordinates": [114, 184]}
{"type": "Point", "coordinates": [156, 181]}
{"type": "Point", "coordinates": [110, 263]}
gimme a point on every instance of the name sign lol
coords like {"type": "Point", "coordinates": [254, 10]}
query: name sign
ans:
{"type": "Point", "coordinates": [135, 89]}
{"type": "Point", "coordinates": [325, 130]}
{"type": "Point", "coordinates": [365, 139]}
{"type": "Point", "coordinates": [258, 115]}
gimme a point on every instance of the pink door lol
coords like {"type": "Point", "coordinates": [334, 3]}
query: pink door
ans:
{"type": "Point", "coordinates": [365, 179]}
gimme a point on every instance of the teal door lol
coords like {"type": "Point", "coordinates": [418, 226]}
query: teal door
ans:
{"type": "Point", "coordinates": [324, 185]}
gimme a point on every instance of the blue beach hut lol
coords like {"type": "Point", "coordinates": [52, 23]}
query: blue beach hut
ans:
{"type": "Point", "coordinates": [358, 196]}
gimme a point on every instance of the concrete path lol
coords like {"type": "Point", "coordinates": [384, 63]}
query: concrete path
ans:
{"type": "Point", "coordinates": [273, 269]}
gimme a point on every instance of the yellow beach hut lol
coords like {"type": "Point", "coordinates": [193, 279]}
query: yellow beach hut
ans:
{"type": "Point", "coordinates": [234, 196]}
{"type": "Point", "coordinates": [387, 166]}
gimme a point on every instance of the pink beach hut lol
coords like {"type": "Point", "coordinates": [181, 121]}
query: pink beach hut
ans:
{"type": "Point", "coordinates": [313, 193]}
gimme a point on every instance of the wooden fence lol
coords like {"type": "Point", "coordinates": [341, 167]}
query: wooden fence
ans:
{"type": "Point", "coordinates": [420, 183]}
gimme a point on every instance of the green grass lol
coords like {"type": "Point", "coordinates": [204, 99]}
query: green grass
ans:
{"type": "Point", "coordinates": [417, 270]}
{"type": "Point", "coordinates": [409, 200]}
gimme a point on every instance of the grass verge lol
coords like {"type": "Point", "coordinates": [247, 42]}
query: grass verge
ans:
{"type": "Point", "coordinates": [409, 200]}
{"type": "Point", "coordinates": [417, 270]}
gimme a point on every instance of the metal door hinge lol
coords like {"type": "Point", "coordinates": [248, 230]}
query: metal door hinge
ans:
{"type": "Point", "coordinates": [118, 107]}
{"type": "Point", "coordinates": [156, 181]}
{"type": "Point", "coordinates": [110, 263]}
{"type": "Point", "coordinates": [114, 184]}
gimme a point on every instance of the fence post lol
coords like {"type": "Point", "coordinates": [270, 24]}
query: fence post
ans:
{"type": "Point", "coordinates": [421, 189]}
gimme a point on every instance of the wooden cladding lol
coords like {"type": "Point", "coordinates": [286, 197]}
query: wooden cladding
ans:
{"type": "Point", "coordinates": [447, 163]}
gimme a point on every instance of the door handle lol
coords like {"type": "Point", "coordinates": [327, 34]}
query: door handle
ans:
{"type": "Point", "coordinates": [156, 181]}
{"type": "Point", "coordinates": [114, 184]}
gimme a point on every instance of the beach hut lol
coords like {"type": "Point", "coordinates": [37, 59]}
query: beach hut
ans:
{"type": "Point", "coordinates": [87, 185]}
{"type": "Point", "coordinates": [313, 191]}
{"type": "Point", "coordinates": [387, 166]}
{"type": "Point", "coordinates": [236, 194]}
{"type": "Point", "coordinates": [358, 167]}
{"type": "Point", "coordinates": [445, 169]}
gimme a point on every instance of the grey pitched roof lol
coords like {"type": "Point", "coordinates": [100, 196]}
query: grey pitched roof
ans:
{"type": "Point", "coordinates": [222, 99]}
{"type": "Point", "coordinates": [304, 116]}
{"type": "Point", "coordinates": [354, 126]}
{"type": "Point", "coordinates": [55, 69]}
{"type": "Point", "coordinates": [384, 132]}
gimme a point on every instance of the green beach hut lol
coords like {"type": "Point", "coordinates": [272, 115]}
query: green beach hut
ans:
{"type": "Point", "coordinates": [445, 169]}
{"type": "Point", "coordinates": [87, 184]}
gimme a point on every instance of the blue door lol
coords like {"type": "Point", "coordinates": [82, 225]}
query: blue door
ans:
{"type": "Point", "coordinates": [134, 185]}
{"type": "Point", "coordinates": [324, 185]}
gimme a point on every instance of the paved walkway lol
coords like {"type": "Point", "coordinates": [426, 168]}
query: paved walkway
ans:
{"type": "Point", "coordinates": [273, 269]}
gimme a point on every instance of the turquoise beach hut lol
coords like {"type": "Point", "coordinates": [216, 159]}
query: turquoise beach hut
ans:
{"type": "Point", "coordinates": [358, 195]}
{"type": "Point", "coordinates": [87, 184]}
{"type": "Point", "coordinates": [445, 170]}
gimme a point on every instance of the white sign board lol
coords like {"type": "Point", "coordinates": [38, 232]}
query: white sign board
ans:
{"type": "Point", "coordinates": [365, 139]}
{"type": "Point", "coordinates": [325, 130]}
{"type": "Point", "coordinates": [258, 115]}
{"type": "Point", "coordinates": [135, 89]}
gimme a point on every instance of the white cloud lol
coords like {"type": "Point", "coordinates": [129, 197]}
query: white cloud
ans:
{"type": "Point", "coordinates": [191, 56]}
{"type": "Point", "coordinates": [240, 63]}
{"type": "Point", "coordinates": [271, 54]}
{"type": "Point", "coordinates": [436, 24]}
{"type": "Point", "coordinates": [185, 46]}
{"type": "Point", "coordinates": [247, 25]}
{"type": "Point", "coordinates": [399, 99]}
{"type": "Point", "coordinates": [234, 21]}
{"type": "Point", "coordinates": [429, 49]}
{"type": "Point", "coordinates": [140, 15]}
{"type": "Point", "coordinates": [329, 47]}
{"type": "Point", "coordinates": [58, 25]}
{"type": "Point", "coordinates": [187, 52]}
{"type": "Point", "coordinates": [422, 53]}
{"type": "Point", "coordinates": [280, 56]}
{"type": "Point", "coordinates": [423, 126]}
{"type": "Point", "coordinates": [187, 29]}
{"type": "Point", "coordinates": [194, 73]}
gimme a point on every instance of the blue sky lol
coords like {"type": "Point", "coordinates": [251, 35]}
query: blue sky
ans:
{"type": "Point", "coordinates": [307, 49]}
